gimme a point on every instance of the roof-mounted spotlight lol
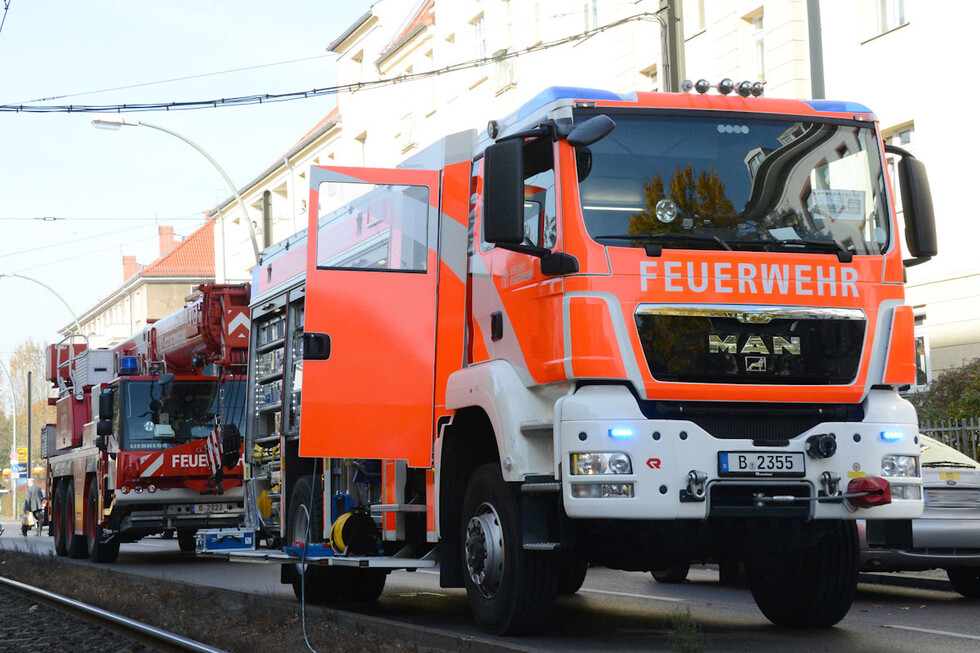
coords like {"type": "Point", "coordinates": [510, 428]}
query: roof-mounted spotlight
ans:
{"type": "Point", "coordinates": [493, 129]}
{"type": "Point", "coordinates": [757, 89]}
{"type": "Point", "coordinates": [702, 86]}
{"type": "Point", "coordinates": [745, 89]}
{"type": "Point", "coordinates": [686, 86]}
{"type": "Point", "coordinates": [726, 86]}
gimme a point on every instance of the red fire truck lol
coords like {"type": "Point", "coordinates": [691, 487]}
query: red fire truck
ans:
{"type": "Point", "coordinates": [147, 438]}
{"type": "Point", "coordinates": [621, 330]}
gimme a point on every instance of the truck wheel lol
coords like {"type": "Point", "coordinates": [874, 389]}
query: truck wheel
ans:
{"type": "Point", "coordinates": [74, 544]}
{"type": "Point", "coordinates": [811, 587]}
{"type": "Point", "coordinates": [305, 511]}
{"type": "Point", "coordinates": [571, 574]}
{"type": "Point", "coordinates": [511, 591]}
{"type": "Point", "coordinates": [965, 580]}
{"type": "Point", "coordinates": [98, 550]}
{"type": "Point", "coordinates": [674, 574]}
{"type": "Point", "coordinates": [187, 540]}
{"type": "Point", "coordinates": [58, 520]}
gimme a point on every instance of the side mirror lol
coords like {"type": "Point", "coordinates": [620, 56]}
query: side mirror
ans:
{"type": "Point", "coordinates": [103, 427]}
{"type": "Point", "coordinates": [105, 405]}
{"type": "Point", "coordinates": [503, 192]}
{"type": "Point", "coordinates": [231, 446]}
{"type": "Point", "coordinates": [591, 131]}
{"type": "Point", "coordinates": [920, 218]}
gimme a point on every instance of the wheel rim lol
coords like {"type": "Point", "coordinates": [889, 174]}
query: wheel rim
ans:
{"type": "Point", "coordinates": [300, 528]}
{"type": "Point", "coordinates": [484, 548]}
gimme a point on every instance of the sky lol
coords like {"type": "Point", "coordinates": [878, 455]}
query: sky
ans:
{"type": "Point", "coordinates": [75, 199]}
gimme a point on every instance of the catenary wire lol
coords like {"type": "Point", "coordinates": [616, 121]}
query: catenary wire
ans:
{"type": "Point", "coordinates": [269, 98]}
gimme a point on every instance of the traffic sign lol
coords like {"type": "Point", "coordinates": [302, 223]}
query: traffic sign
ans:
{"type": "Point", "coordinates": [21, 454]}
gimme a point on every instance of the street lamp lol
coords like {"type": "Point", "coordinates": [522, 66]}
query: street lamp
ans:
{"type": "Point", "coordinates": [13, 445]}
{"type": "Point", "coordinates": [78, 327]}
{"type": "Point", "coordinates": [114, 122]}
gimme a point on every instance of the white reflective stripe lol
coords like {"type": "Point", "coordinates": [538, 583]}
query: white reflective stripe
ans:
{"type": "Point", "coordinates": [152, 469]}
{"type": "Point", "coordinates": [934, 632]}
{"type": "Point", "coordinates": [635, 596]}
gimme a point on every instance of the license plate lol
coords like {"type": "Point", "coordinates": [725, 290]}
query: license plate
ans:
{"type": "Point", "coordinates": [761, 463]}
{"type": "Point", "coordinates": [200, 508]}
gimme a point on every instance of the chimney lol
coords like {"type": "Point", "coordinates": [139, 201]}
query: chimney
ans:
{"type": "Point", "coordinates": [166, 239]}
{"type": "Point", "coordinates": [130, 267]}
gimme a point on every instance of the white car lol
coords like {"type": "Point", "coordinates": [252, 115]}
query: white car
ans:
{"type": "Point", "coordinates": [947, 536]}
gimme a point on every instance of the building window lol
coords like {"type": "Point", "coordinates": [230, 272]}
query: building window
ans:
{"type": "Point", "coordinates": [901, 136]}
{"type": "Point", "coordinates": [651, 79]}
{"type": "Point", "coordinates": [759, 45]}
{"type": "Point", "coordinates": [923, 366]}
{"type": "Point", "coordinates": [891, 14]}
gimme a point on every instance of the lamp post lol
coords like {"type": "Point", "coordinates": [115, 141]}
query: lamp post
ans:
{"type": "Point", "coordinates": [13, 401]}
{"type": "Point", "coordinates": [114, 122]}
{"type": "Point", "coordinates": [13, 445]}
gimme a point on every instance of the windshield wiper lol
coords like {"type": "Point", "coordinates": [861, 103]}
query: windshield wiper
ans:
{"type": "Point", "coordinates": [654, 249]}
{"type": "Point", "coordinates": [804, 245]}
{"type": "Point", "coordinates": [948, 463]}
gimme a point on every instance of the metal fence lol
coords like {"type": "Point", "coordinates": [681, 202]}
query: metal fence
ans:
{"type": "Point", "coordinates": [961, 434]}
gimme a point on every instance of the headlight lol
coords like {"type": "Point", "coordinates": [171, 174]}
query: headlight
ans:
{"type": "Point", "coordinates": [900, 466]}
{"type": "Point", "coordinates": [589, 464]}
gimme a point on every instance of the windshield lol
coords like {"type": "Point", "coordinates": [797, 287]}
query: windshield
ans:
{"type": "Point", "coordinates": [156, 416]}
{"type": "Point", "coordinates": [752, 184]}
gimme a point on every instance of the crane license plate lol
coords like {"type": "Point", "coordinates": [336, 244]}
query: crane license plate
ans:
{"type": "Point", "coordinates": [761, 464]}
{"type": "Point", "coordinates": [200, 508]}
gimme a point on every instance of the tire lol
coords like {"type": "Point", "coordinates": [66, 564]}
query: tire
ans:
{"type": "Point", "coordinates": [728, 569]}
{"type": "Point", "coordinates": [324, 585]}
{"type": "Point", "coordinates": [98, 550]}
{"type": "Point", "coordinates": [511, 591]}
{"type": "Point", "coordinates": [814, 586]}
{"type": "Point", "coordinates": [965, 580]}
{"type": "Point", "coordinates": [672, 575]}
{"type": "Point", "coordinates": [187, 540]}
{"type": "Point", "coordinates": [58, 520]}
{"type": "Point", "coordinates": [571, 575]}
{"type": "Point", "coordinates": [74, 544]}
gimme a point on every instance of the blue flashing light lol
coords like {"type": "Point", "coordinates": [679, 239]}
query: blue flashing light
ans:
{"type": "Point", "coordinates": [836, 106]}
{"type": "Point", "coordinates": [891, 436]}
{"type": "Point", "coordinates": [552, 93]}
{"type": "Point", "coordinates": [621, 432]}
{"type": "Point", "coordinates": [127, 365]}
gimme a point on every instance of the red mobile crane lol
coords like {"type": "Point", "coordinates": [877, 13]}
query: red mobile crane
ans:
{"type": "Point", "coordinates": [147, 438]}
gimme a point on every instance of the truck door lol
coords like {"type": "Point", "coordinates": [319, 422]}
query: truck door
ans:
{"type": "Point", "coordinates": [371, 292]}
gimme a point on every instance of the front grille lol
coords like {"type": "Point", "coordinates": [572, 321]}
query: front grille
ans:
{"type": "Point", "coordinates": [764, 424]}
{"type": "Point", "coordinates": [752, 345]}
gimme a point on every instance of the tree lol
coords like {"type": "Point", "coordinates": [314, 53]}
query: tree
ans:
{"type": "Point", "coordinates": [954, 395]}
{"type": "Point", "coordinates": [699, 197]}
{"type": "Point", "coordinates": [27, 356]}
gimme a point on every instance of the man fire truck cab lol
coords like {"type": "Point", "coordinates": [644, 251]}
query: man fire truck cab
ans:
{"type": "Point", "coordinates": [147, 439]}
{"type": "Point", "coordinates": [617, 330]}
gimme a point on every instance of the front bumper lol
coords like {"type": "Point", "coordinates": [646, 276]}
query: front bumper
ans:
{"type": "Point", "coordinates": [665, 453]}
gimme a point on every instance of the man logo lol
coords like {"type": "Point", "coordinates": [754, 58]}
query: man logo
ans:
{"type": "Point", "coordinates": [755, 363]}
{"type": "Point", "coordinates": [754, 345]}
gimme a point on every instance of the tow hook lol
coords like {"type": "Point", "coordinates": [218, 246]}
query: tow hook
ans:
{"type": "Point", "coordinates": [695, 491]}
{"type": "Point", "coordinates": [830, 482]}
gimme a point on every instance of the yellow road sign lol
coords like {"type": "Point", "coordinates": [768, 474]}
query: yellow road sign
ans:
{"type": "Point", "coordinates": [22, 454]}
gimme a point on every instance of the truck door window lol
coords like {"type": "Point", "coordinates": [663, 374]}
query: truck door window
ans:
{"type": "Point", "coordinates": [373, 227]}
{"type": "Point", "coordinates": [540, 213]}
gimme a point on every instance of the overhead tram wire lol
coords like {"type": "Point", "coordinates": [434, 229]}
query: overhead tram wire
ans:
{"type": "Point", "coordinates": [6, 8]}
{"type": "Point", "coordinates": [247, 100]}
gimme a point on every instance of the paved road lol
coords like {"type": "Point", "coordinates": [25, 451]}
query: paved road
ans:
{"type": "Point", "coordinates": [617, 611]}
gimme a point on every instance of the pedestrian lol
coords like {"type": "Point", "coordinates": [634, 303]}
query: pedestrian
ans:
{"type": "Point", "coordinates": [33, 502]}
